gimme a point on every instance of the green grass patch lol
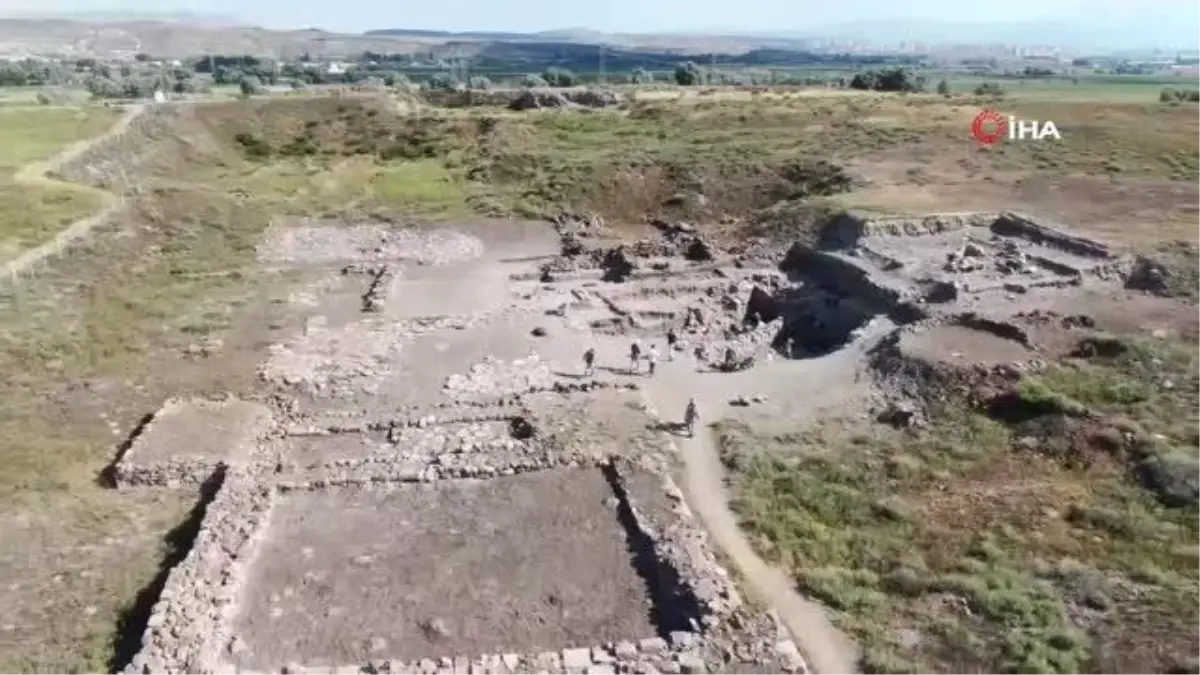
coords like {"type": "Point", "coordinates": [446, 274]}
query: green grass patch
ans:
{"type": "Point", "coordinates": [420, 186]}
{"type": "Point", "coordinates": [952, 549]}
{"type": "Point", "coordinates": [37, 134]}
{"type": "Point", "coordinates": [33, 212]}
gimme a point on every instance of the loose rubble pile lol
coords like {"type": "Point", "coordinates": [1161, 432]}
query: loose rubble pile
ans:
{"type": "Point", "coordinates": [496, 379]}
{"type": "Point", "coordinates": [321, 243]}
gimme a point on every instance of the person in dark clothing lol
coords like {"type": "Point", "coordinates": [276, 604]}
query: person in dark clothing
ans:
{"type": "Point", "coordinates": [690, 416]}
{"type": "Point", "coordinates": [589, 362]}
{"type": "Point", "coordinates": [672, 338]}
{"type": "Point", "coordinates": [730, 357]}
{"type": "Point", "coordinates": [635, 357]}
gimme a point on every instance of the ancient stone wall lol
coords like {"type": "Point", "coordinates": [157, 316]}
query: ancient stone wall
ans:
{"type": "Point", "coordinates": [189, 628]}
{"type": "Point", "coordinates": [1016, 225]}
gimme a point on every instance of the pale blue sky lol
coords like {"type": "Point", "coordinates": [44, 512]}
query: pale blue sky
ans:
{"type": "Point", "coordinates": [1145, 19]}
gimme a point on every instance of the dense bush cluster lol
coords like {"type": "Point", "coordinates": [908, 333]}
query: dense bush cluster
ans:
{"type": "Point", "coordinates": [1178, 95]}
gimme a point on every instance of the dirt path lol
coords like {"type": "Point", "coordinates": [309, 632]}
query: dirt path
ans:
{"type": "Point", "coordinates": [38, 174]}
{"type": "Point", "coordinates": [826, 648]}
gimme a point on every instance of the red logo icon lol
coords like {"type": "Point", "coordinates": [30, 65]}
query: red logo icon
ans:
{"type": "Point", "coordinates": [989, 127]}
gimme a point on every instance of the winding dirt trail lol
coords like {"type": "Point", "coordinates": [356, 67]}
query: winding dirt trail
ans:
{"type": "Point", "coordinates": [825, 648]}
{"type": "Point", "coordinates": [38, 174]}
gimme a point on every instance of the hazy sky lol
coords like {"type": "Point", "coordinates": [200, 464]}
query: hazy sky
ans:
{"type": "Point", "coordinates": [634, 15]}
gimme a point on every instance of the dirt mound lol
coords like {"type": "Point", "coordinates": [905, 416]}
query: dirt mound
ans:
{"type": "Point", "coordinates": [364, 125]}
{"type": "Point", "coordinates": [163, 142]}
{"type": "Point", "coordinates": [1173, 272]}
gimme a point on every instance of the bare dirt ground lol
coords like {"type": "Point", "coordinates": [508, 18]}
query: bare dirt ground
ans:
{"type": "Point", "coordinates": [527, 564]}
{"type": "Point", "coordinates": [305, 284]}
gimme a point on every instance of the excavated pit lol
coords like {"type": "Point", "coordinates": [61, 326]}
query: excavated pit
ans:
{"type": "Point", "coordinates": [912, 269]}
{"type": "Point", "coordinates": [959, 345]}
{"type": "Point", "coordinates": [430, 570]}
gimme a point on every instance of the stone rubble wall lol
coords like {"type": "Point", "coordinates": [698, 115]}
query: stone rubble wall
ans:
{"type": "Point", "coordinates": [493, 378]}
{"type": "Point", "coordinates": [130, 470]}
{"type": "Point", "coordinates": [681, 653]}
{"type": "Point", "coordinates": [190, 620]}
{"type": "Point", "coordinates": [189, 626]}
{"type": "Point", "coordinates": [318, 242]}
{"type": "Point", "coordinates": [382, 287]}
{"type": "Point", "coordinates": [846, 230]}
{"type": "Point", "coordinates": [1017, 225]}
{"type": "Point", "coordinates": [850, 277]}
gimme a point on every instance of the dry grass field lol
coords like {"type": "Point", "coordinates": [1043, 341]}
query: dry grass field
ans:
{"type": "Point", "coordinates": [101, 336]}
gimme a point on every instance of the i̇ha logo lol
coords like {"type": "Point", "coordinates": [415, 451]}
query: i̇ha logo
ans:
{"type": "Point", "coordinates": [990, 127]}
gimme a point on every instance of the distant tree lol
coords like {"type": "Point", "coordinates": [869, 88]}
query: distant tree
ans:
{"type": "Point", "coordinates": [250, 85]}
{"type": "Point", "coordinates": [441, 82]}
{"type": "Point", "coordinates": [688, 75]}
{"type": "Point", "coordinates": [13, 75]}
{"type": "Point", "coordinates": [227, 75]}
{"type": "Point", "coordinates": [478, 82]}
{"type": "Point", "coordinates": [141, 57]}
{"type": "Point", "coordinates": [892, 80]}
{"type": "Point", "coordinates": [989, 89]}
{"type": "Point", "coordinates": [398, 80]}
{"type": "Point", "coordinates": [1178, 95]}
{"type": "Point", "coordinates": [104, 87]}
{"type": "Point", "coordinates": [943, 88]}
{"type": "Point", "coordinates": [559, 77]}
{"type": "Point", "coordinates": [532, 81]}
{"type": "Point", "coordinates": [641, 76]}
{"type": "Point", "coordinates": [863, 81]}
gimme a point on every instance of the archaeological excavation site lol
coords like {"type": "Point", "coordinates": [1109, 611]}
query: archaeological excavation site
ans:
{"type": "Point", "coordinates": [436, 484]}
{"type": "Point", "coordinates": [552, 405]}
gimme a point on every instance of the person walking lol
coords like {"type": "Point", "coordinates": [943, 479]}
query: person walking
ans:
{"type": "Point", "coordinates": [589, 362]}
{"type": "Point", "coordinates": [672, 338]}
{"type": "Point", "coordinates": [635, 357]}
{"type": "Point", "coordinates": [690, 417]}
{"type": "Point", "coordinates": [652, 359]}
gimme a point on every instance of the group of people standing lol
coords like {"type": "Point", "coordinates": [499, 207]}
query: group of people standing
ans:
{"type": "Point", "coordinates": [651, 356]}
